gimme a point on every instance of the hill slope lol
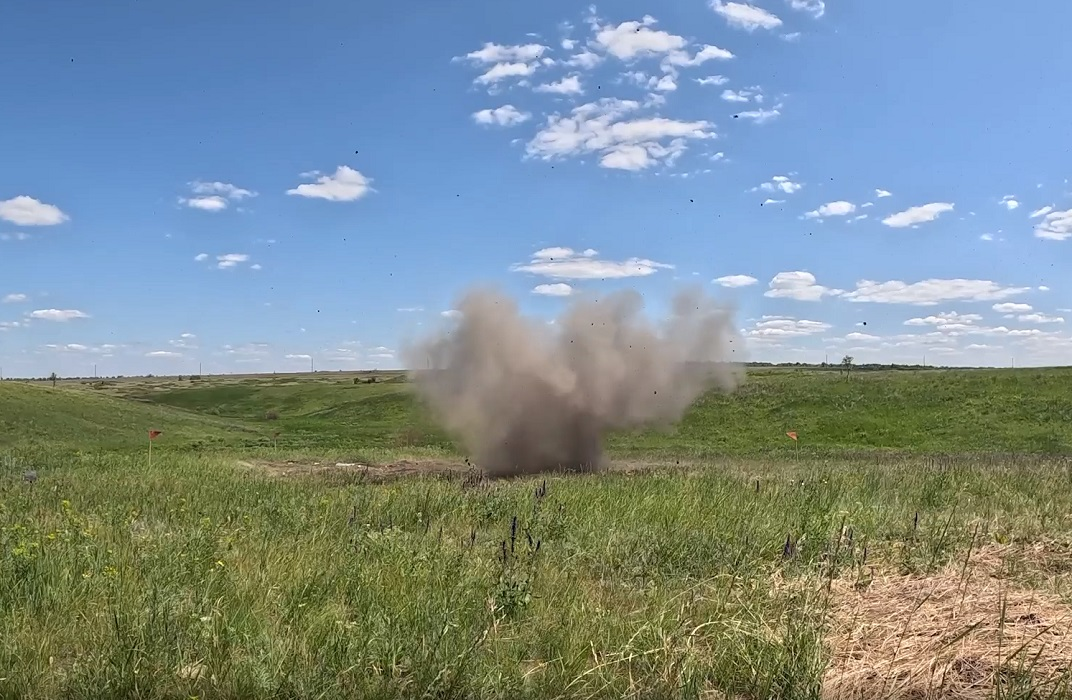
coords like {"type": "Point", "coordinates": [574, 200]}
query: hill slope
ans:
{"type": "Point", "coordinates": [1026, 410]}
{"type": "Point", "coordinates": [74, 418]}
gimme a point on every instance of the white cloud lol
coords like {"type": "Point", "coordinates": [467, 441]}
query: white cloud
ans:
{"type": "Point", "coordinates": [986, 237]}
{"type": "Point", "coordinates": [210, 203]}
{"type": "Point", "coordinates": [712, 80]}
{"type": "Point", "coordinates": [598, 127]}
{"type": "Point", "coordinates": [883, 193]}
{"type": "Point", "coordinates": [221, 188]}
{"type": "Point", "coordinates": [507, 115]}
{"type": "Point", "coordinates": [1040, 318]}
{"type": "Point", "coordinates": [735, 280]}
{"type": "Point", "coordinates": [567, 264]}
{"type": "Point", "coordinates": [633, 39]}
{"type": "Point", "coordinates": [201, 257]}
{"type": "Point", "coordinates": [779, 183]}
{"type": "Point", "coordinates": [930, 292]}
{"type": "Point", "coordinates": [58, 315]}
{"type": "Point", "coordinates": [8, 325]}
{"type": "Point", "coordinates": [298, 356]}
{"type": "Point", "coordinates": [451, 313]}
{"type": "Point", "coordinates": [814, 7]}
{"type": "Point", "coordinates": [17, 236]}
{"type": "Point", "coordinates": [214, 196]}
{"type": "Point", "coordinates": [165, 354]}
{"type": "Point", "coordinates": [570, 85]}
{"type": "Point", "coordinates": [709, 52]}
{"type": "Point", "coordinates": [559, 289]}
{"type": "Point", "coordinates": [346, 185]}
{"type": "Point", "coordinates": [861, 337]}
{"type": "Point", "coordinates": [1011, 308]}
{"type": "Point", "coordinates": [501, 71]}
{"type": "Point", "coordinates": [736, 95]}
{"type": "Point", "coordinates": [745, 16]}
{"type": "Point", "coordinates": [497, 53]}
{"type": "Point", "coordinates": [13, 298]}
{"type": "Point", "coordinates": [917, 215]}
{"type": "Point", "coordinates": [1040, 212]}
{"type": "Point", "coordinates": [768, 200]}
{"type": "Point", "coordinates": [791, 36]}
{"type": "Point", "coordinates": [838, 208]}
{"type": "Point", "coordinates": [585, 60]}
{"type": "Point", "coordinates": [947, 321]}
{"type": "Point", "coordinates": [799, 285]}
{"type": "Point", "coordinates": [27, 211]}
{"type": "Point", "coordinates": [1010, 202]}
{"type": "Point", "coordinates": [229, 260]}
{"type": "Point", "coordinates": [760, 116]}
{"type": "Point", "coordinates": [1055, 226]}
{"type": "Point", "coordinates": [775, 327]}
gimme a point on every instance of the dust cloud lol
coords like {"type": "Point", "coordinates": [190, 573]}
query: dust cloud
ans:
{"type": "Point", "coordinates": [525, 396]}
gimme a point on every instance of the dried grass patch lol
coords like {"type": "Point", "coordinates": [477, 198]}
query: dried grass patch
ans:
{"type": "Point", "coordinates": [964, 632]}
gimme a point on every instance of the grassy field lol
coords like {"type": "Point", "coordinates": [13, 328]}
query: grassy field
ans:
{"type": "Point", "coordinates": [916, 542]}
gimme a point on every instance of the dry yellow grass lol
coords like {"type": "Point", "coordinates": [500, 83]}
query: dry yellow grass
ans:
{"type": "Point", "coordinates": [966, 632]}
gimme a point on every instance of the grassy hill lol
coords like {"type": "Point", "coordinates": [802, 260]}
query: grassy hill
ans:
{"type": "Point", "coordinates": [37, 415]}
{"type": "Point", "coordinates": [1025, 410]}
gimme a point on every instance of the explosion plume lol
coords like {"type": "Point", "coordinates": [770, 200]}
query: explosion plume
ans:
{"type": "Point", "coordinates": [525, 396]}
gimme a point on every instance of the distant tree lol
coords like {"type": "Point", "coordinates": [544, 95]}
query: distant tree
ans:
{"type": "Point", "coordinates": [846, 365]}
{"type": "Point", "coordinates": [52, 377]}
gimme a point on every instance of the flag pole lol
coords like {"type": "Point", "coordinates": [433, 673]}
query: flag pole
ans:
{"type": "Point", "coordinates": [150, 448]}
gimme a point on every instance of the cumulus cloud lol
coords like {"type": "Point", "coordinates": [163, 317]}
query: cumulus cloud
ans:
{"type": "Point", "coordinates": [800, 285]}
{"type": "Point", "coordinates": [558, 289]}
{"type": "Point", "coordinates": [1010, 202]}
{"type": "Point", "coordinates": [230, 260]}
{"type": "Point", "coordinates": [1055, 226]}
{"type": "Point", "coordinates": [1011, 308]}
{"type": "Point", "coordinates": [735, 280]}
{"type": "Point", "coordinates": [883, 193]}
{"type": "Point", "coordinates": [567, 264]}
{"type": "Point", "coordinates": [345, 185]}
{"type": "Point", "coordinates": [634, 39]}
{"type": "Point", "coordinates": [1042, 211]}
{"type": "Point", "coordinates": [57, 315]}
{"type": "Point", "coordinates": [777, 327]}
{"type": "Point", "coordinates": [569, 85]}
{"type": "Point", "coordinates": [914, 216]}
{"type": "Point", "coordinates": [744, 16]}
{"type": "Point", "coordinates": [507, 115]}
{"type": "Point", "coordinates": [779, 183]}
{"type": "Point", "coordinates": [816, 8]}
{"type": "Point", "coordinates": [839, 208]}
{"type": "Point", "coordinates": [14, 298]}
{"type": "Point", "coordinates": [27, 211]}
{"type": "Point", "coordinates": [930, 291]}
{"type": "Point", "coordinates": [623, 144]}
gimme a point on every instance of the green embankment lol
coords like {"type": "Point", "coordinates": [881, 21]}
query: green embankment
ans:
{"type": "Point", "coordinates": [934, 411]}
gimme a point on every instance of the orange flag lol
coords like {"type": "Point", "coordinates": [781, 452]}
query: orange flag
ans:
{"type": "Point", "coordinates": [792, 434]}
{"type": "Point", "coordinates": [153, 434]}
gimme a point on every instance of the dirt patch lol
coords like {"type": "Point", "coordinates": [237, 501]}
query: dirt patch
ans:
{"type": "Point", "coordinates": [957, 634]}
{"type": "Point", "coordinates": [356, 471]}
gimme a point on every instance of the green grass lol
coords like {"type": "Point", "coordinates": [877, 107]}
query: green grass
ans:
{"type": "Point", "coordinates": [922, 412]}
{"type": "Point", "coordinates": [191, 577]}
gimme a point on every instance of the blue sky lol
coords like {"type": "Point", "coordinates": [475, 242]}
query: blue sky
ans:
{"type": "Point", "coordinates": [202, 184]}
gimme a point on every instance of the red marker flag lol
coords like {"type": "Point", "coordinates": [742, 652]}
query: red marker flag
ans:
{"type": "Point", "coordinates": [792, 434]}
{"type": "Point", "coordinates": [153, 434]}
